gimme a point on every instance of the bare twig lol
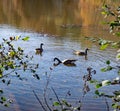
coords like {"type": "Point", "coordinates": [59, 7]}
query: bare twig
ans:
{"type": "Point", "coordinates": [45, 91]}
{"type": "Point", "coordinates": [57, 97]}
{"type": "Point", "coordinates": [106, 104]}
{"type": "Point", "coordinates": [39, 100]}
{"type": "Point", "coordinates": [5, 75]}
{"type": "Point", "coordinates": [8, 73]}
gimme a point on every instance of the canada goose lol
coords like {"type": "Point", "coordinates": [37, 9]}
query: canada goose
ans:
{"type": "Point", "coordinates": [39, 50]}
{"type": "Point", "coordinates": [69, 62]}
{"type": "Point", "coordinates": [83, 53]}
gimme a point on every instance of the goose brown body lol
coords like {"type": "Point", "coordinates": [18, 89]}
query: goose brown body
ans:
{"type": "Point", "coordinates": [81, 52]}
{"type": "Point", "coordinates": [40, 49]}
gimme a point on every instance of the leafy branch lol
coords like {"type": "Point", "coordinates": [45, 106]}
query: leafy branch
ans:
{"type": "Point", "coordinates": [13, 59]}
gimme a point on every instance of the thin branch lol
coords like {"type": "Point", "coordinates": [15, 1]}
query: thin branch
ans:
{"type": "Point", "coordinates": [45, 90]}
{"type": "Point", "coordinates": [106, 104]}
{"type": "Point", "coordinates": [5, 75]}
{"type": "Point", "coordinates": [57, 97]}
{"type": "Point", "coordinates": [39, 100]}
{"type": "Point", "coordinates": [8, 73]}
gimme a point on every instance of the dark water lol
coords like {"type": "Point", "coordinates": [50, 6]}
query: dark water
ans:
{"type": "Point", "coordinates": [62, 27]}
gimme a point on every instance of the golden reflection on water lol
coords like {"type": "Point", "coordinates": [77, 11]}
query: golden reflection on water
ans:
{"type": "Point", "coordinates": [49, 16]}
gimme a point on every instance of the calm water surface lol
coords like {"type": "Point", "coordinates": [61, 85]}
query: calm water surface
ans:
{"type": "Point", "coordinates": [49, 27]}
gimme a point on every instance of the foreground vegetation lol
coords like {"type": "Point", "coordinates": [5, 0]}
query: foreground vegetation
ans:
{"type": "Point", "coordinates": [13, 59]}
{"type": "Point", "coordinates": [114, 25]}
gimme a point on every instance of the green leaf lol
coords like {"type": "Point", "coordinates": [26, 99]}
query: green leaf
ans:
{"type": "Point", "coordinates": [55, 110]}
{"type": "Point", "coordinates": [114, 44]}
{"type": "Point", "coordinates": [6, 67]}
{"type": "Point", "coordinates": [1, 75]}
{"type": "Point", "coordinates": [98, 85]}
{"type": "Point", "coordinates": [119, 72]}
{"type": "Point", "coordinates": [109, 68]}
{"type": "Point", "coordinates": [9, 81]}
{"type": "Point", "coordinates": [36, 76]}
{"type": "Point", "coordinates": [108, 62]}
{"type": "Point", "coordinates": [6, 105]}
{"type": "Point", "coordinates": [3, 98]}
{"type": "Point", "coordinates": [118, 34]}
{"type": "Point", "coordinates": [12, 53]}
{"type": "Point", "coordinates": [19, 49]}
{"type": "Point", "coordinates": [3, 80]}
{"type": "Point", "coordinates": [17, 37]}
{"type": "Point", "coordinates": [103, 69]}
{"type": "Point", "coordinates": [33, 71]}
{"type": "Point", "coordinates": [102, 41]}
{"type": "Point", "coordinates": [117, 92]}
{"type": "Point", "coordinates": [66, 103]}
{"type": "Point", "coordinates": [1, 91]}
{"type": "Point", "coordinates": [97, 92]}
{"type": "Point", "coordinates": [118, 107]}
{"type": "Point", "coordinates": [106, 82]}
{"type": "Point", "coordinates": [118, 56]}
{"type": "Point", "coordinates": [114, 106]}
{"type": "Point", "coordinates": [93, 81]}
{"type": "Point", "coordinates": [26, 38]}
{"type": "Point", "coordinates": [104, 46]}
{"type": "Point", "coordinates": [79, 108]}
{"type": "Point", "coordinates": [103, 13]}
{"type": "Point", "coordinates": [56, 103]}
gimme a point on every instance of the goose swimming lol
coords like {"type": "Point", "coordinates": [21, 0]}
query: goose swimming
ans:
{"type": "Point", "coordinates": [69, 62]}
{"type": "Point", "coordinates": [82, 53]}
{"type": "Point", "coordinates": [40, 49]}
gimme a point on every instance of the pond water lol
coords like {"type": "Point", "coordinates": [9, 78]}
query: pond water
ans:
{"type": "Point", "coordinates": [62, 31]}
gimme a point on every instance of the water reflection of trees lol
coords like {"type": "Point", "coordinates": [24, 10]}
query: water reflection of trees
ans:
{"type": "Point", "coordinates": [40, 15]}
